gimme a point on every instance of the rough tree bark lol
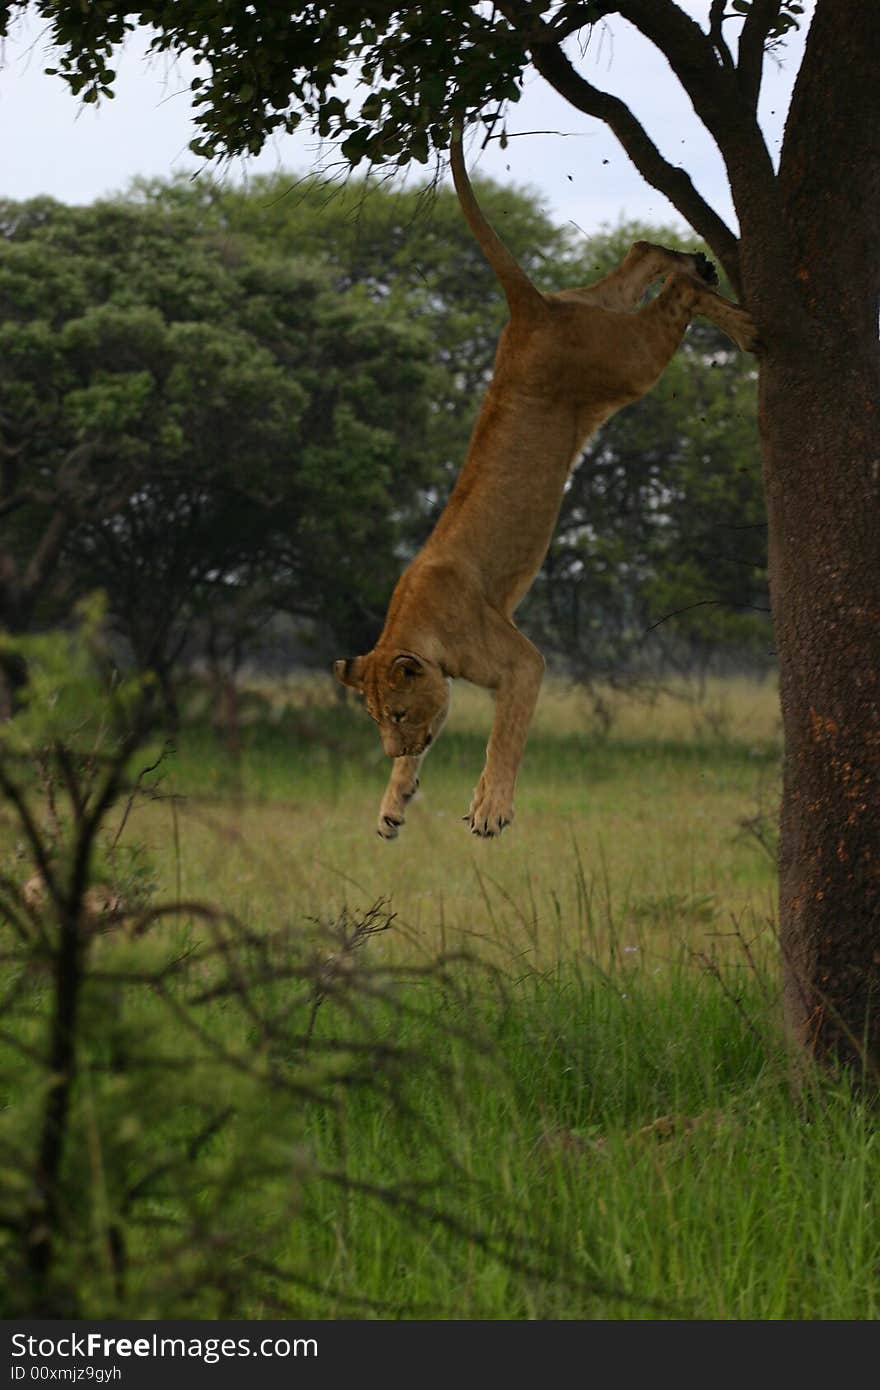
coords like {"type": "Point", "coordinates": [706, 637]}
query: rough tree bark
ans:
{"type": "Point", "coordinates": [820, 431]}
{"type": "Point", "coordinates": [809, 271]}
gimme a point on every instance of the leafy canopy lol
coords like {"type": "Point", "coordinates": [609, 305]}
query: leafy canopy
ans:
{"type": "Point", "coordinates": [383, 78]}
{"type": "Point", "coordinates": [189, 414]}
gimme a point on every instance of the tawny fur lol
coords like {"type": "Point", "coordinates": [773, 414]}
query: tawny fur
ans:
{"type": "Point", "coordinates": [566, 361]}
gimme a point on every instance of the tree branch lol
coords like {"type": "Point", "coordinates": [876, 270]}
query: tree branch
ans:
{"type": "Point", "coordinates": [46, 554]}
{"type": "Point", "coordinates": [28, 496]}
{"type": "Point", "coordinates": [717, 98]}
{"type": "Point", "coordinates": [569, 20]}
{"type": "Point", "coordinates": [750, 66]}
{"type": "Point", "coordinates": [14, 794]}
{"type": "Point", "coordinates": [691, 54]}
{"type": "Point", "coordinates": [707, 603]}
{"type": "Point", "coordinates": [716, 33]}
{"type": "Point", "coordinates": [714, 90]}
{"type": "Point", "coordinates": [675, 183]}
{"type": "Point", "coordinates": [70, 471]}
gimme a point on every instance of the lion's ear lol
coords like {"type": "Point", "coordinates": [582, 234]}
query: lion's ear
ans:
{"type": "Point", "coordinates": [406, 667]}
{"type": "Point", "coordinates": [350, 673]}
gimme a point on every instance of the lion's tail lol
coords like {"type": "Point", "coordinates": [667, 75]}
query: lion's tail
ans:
{"type": "Point", "coordinates": [522, 295]}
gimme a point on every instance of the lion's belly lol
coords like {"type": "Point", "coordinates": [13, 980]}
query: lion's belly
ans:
{"type": "Point", "coordinates": [503, 510]}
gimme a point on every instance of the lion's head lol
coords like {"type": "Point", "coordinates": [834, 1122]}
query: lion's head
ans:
{"type": "Point", "coordinates": [406, 695]}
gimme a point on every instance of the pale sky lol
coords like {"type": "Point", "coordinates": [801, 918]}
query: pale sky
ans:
{"type": "Point", "coordinates": [53, 145]}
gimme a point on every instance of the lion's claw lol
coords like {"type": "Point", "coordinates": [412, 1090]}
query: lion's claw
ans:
{"type": "Point", "coordinates": [489, 814]}
{"type": "Point", "coordinates": [388, 827]}
{"type": "Point", "coordinates": [486, 832]}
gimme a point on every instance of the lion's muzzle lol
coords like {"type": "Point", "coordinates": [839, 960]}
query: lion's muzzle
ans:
{"type": "Point", "coordinates": [398, 747]}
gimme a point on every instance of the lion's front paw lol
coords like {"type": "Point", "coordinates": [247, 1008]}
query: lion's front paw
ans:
{"type": "Point", "coordinates": [391, 816]}
{"type": "Point", "coordinates": [388, 826]}
{"type": "Point", "coordinates": [392, 811]}
{"type": "Point", "coordinates": [490, 811]}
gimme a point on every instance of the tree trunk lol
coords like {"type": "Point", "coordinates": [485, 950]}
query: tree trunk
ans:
{"type": "Point", "coordinates": [822, 457]}
{"type": "Point", "coordinates": [13, 669]}
{"type": "Point", "coordinates": [820, 428]}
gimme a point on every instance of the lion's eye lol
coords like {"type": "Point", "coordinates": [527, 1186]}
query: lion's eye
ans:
{"type": "Point", "coordinates": [398, 715]}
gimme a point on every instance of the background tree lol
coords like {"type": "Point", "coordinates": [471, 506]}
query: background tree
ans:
{"type": "Point", "coordinates": [185, 419]}
{"type": "Point", "coordinates": [276, 405]}
{"type": "Point", "coordinates": [408, 249]}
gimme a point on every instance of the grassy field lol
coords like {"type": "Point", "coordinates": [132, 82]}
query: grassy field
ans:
{"type": "Point", "coordinates": [619, 836]}
{"type": "Point", "coordinates": [560, 1086]}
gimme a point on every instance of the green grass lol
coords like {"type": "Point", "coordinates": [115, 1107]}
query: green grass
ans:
{"type": "Point", "coordinates": [637, 1147]}
{"type": "Point", "coordinates": [585, 1113]}
{"type": "Point", "coordinates": [650, 814]}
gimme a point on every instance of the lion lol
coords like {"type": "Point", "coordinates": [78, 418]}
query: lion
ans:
{"type": "Point", "coordinates": [566, 361]}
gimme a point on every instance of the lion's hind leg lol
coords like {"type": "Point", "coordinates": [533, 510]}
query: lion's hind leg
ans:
{"type": "Point", "coordinates": [622, 289]}
{"type": "Point", "coordinates": [516, 680]}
